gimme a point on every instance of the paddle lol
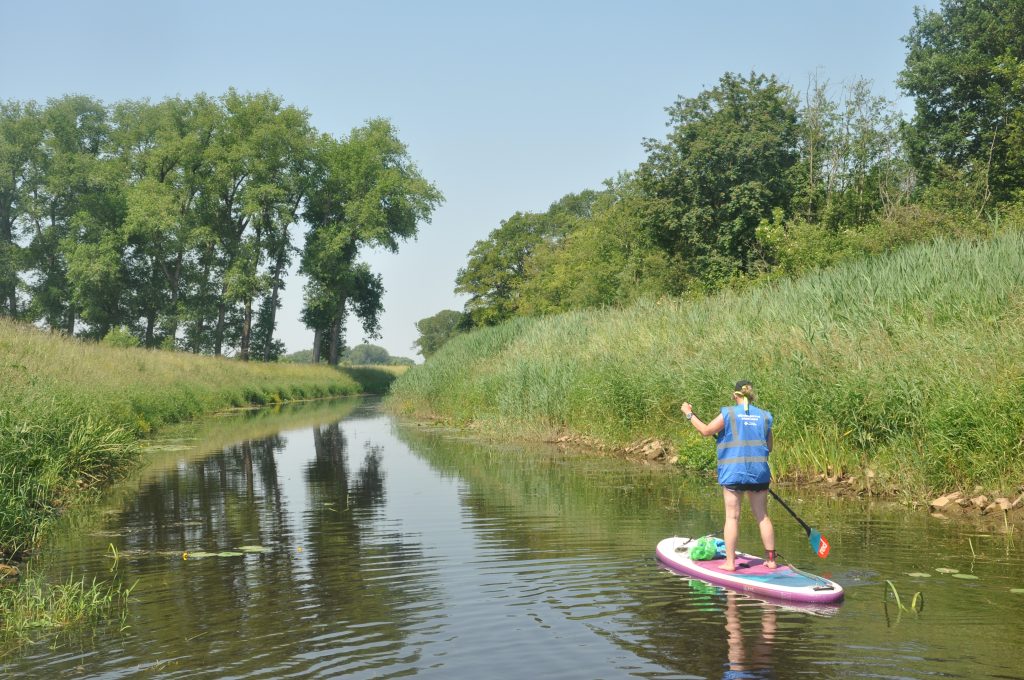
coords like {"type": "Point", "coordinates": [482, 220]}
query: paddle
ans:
{"type": "Point", "coordinates": [819, 544]}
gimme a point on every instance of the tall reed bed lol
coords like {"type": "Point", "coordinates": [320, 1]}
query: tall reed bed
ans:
{"type": "Point", "coordinates": [38, 608]}
{"type": "Point", "coordinates": [909, 364]}
{"type": "Point", "coordinates": [72, 412]}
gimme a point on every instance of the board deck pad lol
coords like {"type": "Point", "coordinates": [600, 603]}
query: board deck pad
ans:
{"type": "Point", "coordinates": [751, 575]}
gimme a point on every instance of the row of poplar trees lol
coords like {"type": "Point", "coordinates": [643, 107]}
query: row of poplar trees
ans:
{"type": "Point", "coordinates": [177, 220]}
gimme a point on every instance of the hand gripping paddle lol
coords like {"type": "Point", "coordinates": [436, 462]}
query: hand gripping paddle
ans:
{"type": "Point", "coordinates": [819, 544]}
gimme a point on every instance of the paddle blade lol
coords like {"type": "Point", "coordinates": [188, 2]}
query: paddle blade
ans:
{"type": "Point", "coordinates": [819, 544]}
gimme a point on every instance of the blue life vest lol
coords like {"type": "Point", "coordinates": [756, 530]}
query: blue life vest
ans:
{"type": "Point", "coordinates": [743, 446]}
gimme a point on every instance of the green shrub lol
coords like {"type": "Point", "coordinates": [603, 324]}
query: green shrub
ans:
{"type": "Point", "coordinates": [120, 337]}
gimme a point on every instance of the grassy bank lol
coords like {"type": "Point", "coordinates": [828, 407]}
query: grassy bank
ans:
{"type": "Point", "coordinates": [72, 413]}
{"type": "Point", "coordinates": [907, 364]}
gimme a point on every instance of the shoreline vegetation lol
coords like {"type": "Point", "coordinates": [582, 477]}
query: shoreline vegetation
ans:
{"type": "Point", "coordinates": [891, 375]}
{"type": "Point", "coordinates": [74, 417]}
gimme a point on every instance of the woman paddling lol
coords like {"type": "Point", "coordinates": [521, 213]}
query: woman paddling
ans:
{"type": "Point", "coordinates": [744, 436]}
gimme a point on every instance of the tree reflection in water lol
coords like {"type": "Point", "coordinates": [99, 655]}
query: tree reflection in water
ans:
{"type": "Point", "coordinates": [320, 569]}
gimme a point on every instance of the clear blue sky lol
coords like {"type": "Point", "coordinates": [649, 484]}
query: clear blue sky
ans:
{"type": "Point", "coordinates": [504, 107]}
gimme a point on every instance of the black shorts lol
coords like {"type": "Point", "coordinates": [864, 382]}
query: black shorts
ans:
{"type": "Point", "coordinates": [747, 487]}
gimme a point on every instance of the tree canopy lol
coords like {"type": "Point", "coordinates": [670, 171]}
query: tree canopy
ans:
{"type": "Point", "coordinates": [965, 70]}
{"type": "Point", "coordinates": [174, 221]}
{"type": "Point", "coordinates": [438, 329]}
{"type": "Point", "coordinates": [756, 179]}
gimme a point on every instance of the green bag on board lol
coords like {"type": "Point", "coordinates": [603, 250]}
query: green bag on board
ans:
{"type": "Point", "coordinates": [707, 548]}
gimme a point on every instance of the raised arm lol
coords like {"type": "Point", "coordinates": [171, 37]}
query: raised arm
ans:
{"type": "Point", "coordinates": [706, 429]}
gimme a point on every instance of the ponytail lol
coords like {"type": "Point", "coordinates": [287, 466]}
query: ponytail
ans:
{"type": "Point", "coordinates": [745, 391]}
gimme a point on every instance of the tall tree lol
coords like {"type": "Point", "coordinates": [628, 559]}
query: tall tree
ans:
{"type": "Point", "coordinates": [725, 164]}
{"type": "Point", "coordinates": [368, 193]}
{"type": "Point", "coordinates": [438, 329]}
{"type": "Point", "coordinates": [865, 164]}
{"type": "Point", "coordinates": [71, 204]}
{"type": "Point", "coordinates": [21, 136]}
{"type": "Point", "coordinates": [164, 150]}
{"type": "Point", "coordinates": [498, 266]}
{"type": "Point", "coordinates": [818, 131]}
{"type": "Point", "coordinates": [965, 70]}
{"type": "Point", "coordinates": [607, 258]}
{"type": "Point", "coordinates": [231, 156]}
{"type": "Point", "coordinates": [279, 185]}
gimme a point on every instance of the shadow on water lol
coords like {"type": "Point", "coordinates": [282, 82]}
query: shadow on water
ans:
{"type": "Point", "coordinates": [330, 541]}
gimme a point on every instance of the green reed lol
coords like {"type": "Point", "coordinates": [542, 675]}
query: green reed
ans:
{"type": "Point", "coordinates": [907, 364]}
{"type": "Point", "coordinates": [37, 608]}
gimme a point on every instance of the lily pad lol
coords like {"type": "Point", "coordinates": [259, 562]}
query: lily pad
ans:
{"type": "Point", "coordinates": [918, 574]}
{"type": "Point", "coordinates": [253, 549]}
{"type": "Point", "coordinates": [969, 577]}
{"type": "Point", "coordinates": [230, 553]}
{"type": "Point", "coordinates": [199, 554]}
{"type": "Point", "coordinates": [1017, 591]}
{"type": "Point", "coordinates": [947, 570]}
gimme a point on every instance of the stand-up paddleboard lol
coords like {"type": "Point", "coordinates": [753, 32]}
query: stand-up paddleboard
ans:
{"type": "Point", "coordinates": [751, 576]}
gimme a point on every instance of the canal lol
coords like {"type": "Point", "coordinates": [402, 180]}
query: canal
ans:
{"type": "Point", "coordinates": [334, 541]}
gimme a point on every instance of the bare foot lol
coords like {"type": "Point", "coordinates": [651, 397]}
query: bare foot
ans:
{"type": "Point", "coordinates": [728, 566]}
{"type": "Point", "coordinates": [770, 564]}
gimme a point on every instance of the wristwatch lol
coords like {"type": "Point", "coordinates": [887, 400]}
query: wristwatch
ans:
{"type": "Point", "coordinates": [689, 416]}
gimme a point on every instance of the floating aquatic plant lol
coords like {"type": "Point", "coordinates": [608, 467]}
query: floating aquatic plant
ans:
{"type": "Point", "coordinates": [919, 574]}
{"type": "Point", "coordinates": [237, 552]}
{"type": "Point", "coordinates": [196, 555]}
{"type": "Point", "coordinates": [966, 577]}
{"type": "Point", "coordinates": [916, 602]}
{"type": "Point", "coordinates": [947, 570]}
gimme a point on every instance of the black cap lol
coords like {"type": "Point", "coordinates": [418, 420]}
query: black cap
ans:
{"type": "Point", "coordinates": [741, 384]}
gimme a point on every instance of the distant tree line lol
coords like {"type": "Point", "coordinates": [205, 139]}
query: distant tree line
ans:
{"type": "Point", "coordinates": [173, 222]}
{"type": "Point", "coordinates": [365, 354]}
{"type": "Point", "coordinates": [757, 179]}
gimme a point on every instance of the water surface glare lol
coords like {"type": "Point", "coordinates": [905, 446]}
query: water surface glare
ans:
{"type": "Point", "coordinates": [390, 550]}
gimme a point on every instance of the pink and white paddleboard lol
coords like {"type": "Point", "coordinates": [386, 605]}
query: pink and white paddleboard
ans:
{"type": "Point", "coordinates": [783, 583]}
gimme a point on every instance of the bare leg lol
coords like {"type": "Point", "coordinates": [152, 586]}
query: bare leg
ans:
{"type": "Point", "coordinates": [733, 502]}
{"type": "Point", "coordinates": [759, 506]}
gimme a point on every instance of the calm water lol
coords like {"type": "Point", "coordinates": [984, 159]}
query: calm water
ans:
{"type": "Point", "coordinates": [390, 550]}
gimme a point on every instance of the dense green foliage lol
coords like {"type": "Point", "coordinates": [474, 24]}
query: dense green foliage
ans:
{"type": "Point", "coordinates": [370, 194]}
{"type": "Point", "coordinates": [498, 267]}
{"type": "Point", "coordinates": [73, 412]}
{"type": "Point", "coordinates": [965, 70]}
{"type": "Point", "coordinates": [373, 355]}
{"type": "Point", "coordinates": [907, 363]}
{"type": "Point", "coordinates": [360, 355]}
{"type": "Point", "coordinates": [174, 221]}
{"type": "Point", "coordinates": [722, 169]}
{"type": "Point", "coordinates": [757, 178]}
{"type": "Point", "coordinates": [438, 329]}
{"type": "Point", "coordinates": [736, 186]}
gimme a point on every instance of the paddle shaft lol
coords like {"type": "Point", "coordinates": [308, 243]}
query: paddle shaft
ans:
{"type": "Point", "coordinates": [790, 511]}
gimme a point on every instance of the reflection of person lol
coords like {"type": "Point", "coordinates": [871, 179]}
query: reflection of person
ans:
{"type": "Point", "coordinates": [760, 657]}
{"type": "Point", "coordinates": [744, 435]}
